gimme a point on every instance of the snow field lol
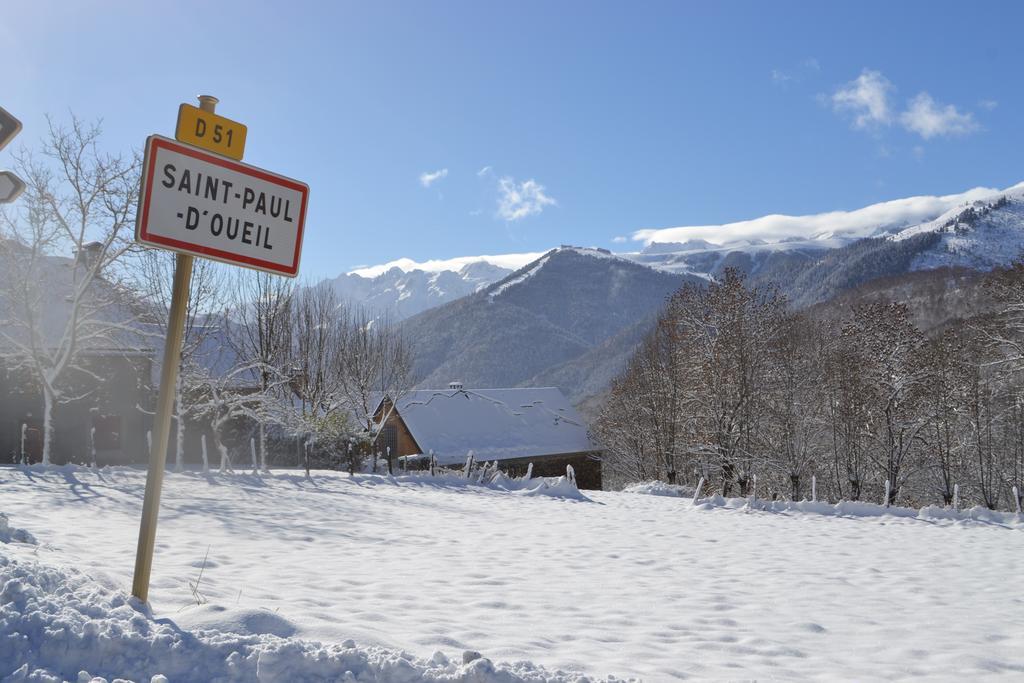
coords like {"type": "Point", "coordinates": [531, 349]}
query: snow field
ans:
{"type": "Point", "coordinates": [610, 583]}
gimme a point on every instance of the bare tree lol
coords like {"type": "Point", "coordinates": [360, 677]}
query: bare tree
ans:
{"type": "Point", "coordinates": [732, 326]}
{"type": "Point", "coordinates": [228, 400]}
{"type": "Point", "coordinates": [315, 358]}
{"type": "Point", "coordinates": [374, 364]}
{"type": "Point", "coordinates": [796, 422]}
{"type": "Point", "coordinates": [945, 395]}
{"type": "Point", "coordinates": [262, 334]}
{"type": "Point", "coordinates": [79, 204]}
{"type": "Point", "coordinates": [204, 327]}
{"type": "Point", "coordinates": [891, 347]}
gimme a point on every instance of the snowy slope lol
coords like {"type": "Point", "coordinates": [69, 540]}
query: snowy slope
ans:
{"type": "Point", "coordinates": [982, 235]}
{"type": "Point", "coordinates": [632, 585]}
{"type": "Point", "coordinates": [550, 312]}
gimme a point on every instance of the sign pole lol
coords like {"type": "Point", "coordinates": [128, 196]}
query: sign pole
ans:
{"type": "Point", "coordinates": [164, 410]}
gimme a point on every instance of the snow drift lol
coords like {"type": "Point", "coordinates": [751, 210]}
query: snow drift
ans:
{"type": "Point", "coordinates": [60, 624]}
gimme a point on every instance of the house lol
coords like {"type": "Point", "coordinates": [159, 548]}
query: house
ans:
{"type": "Point", "coordinates": [103, 386]}
{"type": "Point", "coordinates": [106, 418]}
{"type": "Point", "coordinates": [515, 427]}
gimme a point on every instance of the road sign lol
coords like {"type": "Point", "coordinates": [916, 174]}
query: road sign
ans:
{"type": "Point", "coordinates": [10, 187]}
{"type": "Point", "coordinates": [202, 204]}
{"type": "Point", "coordinates": [210, 131]}
{"type": "Point", "coordinates": [9, 127]}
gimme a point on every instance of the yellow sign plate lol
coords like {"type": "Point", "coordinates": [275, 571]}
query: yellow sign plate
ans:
{"type": "Point", "coordinates": [209, 131]}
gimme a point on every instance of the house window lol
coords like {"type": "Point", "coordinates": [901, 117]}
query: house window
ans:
{"type": "Point", "coordinates": [107, 434]}
{"type": "Point", "coordinates": [389, 439]}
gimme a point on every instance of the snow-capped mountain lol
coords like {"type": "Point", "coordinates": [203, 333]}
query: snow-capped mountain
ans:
{"type": "Point", "coordinates": [405, 287]}
{"type": "Point", "coordinates": [973, 233]}
{"type": "Point", "coordinates": [555, 311]}
{"type": "Point", "coordinates": [985, 234]}
{"type": "Point", "coordinates": [706, 250]}
{"type": "Point", "coordinates": [572, 316]}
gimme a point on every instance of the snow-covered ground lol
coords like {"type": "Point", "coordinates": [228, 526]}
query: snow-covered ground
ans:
{"type": "Point", "coordinates": [386, 572]}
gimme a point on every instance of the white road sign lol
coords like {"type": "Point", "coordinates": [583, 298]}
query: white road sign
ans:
{"type": "Point", "coordinates": [206, 205]}
{"type": "Point", "coordinates": [9, 127]}
{"type": "Point", "coordinates": [10, 187]}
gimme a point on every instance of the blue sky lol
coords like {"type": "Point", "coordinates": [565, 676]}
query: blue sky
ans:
{"type": "Point", "coordinates": [441, 129]}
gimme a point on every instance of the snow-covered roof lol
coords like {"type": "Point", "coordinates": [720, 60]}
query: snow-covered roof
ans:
{"type": "Point", "coordinates": [496, 424]}
{"type": "Point", "coordinates": [106, 311]}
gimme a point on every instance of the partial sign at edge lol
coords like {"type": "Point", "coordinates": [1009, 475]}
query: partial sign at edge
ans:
{"type": "Point", "coordinates": [9, 127]}
{"type": "Point", "coordinates": [11, 187]}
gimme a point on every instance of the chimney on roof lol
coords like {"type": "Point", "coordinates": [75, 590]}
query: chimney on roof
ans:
{"type": "Point", "coordinates": [455, 386]}
{"type": "Point", "coordinates": [89, 254]}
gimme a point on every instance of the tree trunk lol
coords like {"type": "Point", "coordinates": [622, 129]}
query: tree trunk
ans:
{"type": "Point", "coordinates": [179, 443]}
{"type": "Point", "coordinates": [225, 462]}
{"type": "Point", "coordinates": [47, 423]}
{"type": "Point", "coordinates": [854, 489]}
{"type": "Point", "coordinates": [263, 447]}
{"type": "Point", "coordinates": [727, 475]}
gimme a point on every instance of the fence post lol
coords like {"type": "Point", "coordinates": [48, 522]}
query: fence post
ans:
{"type": "Point", "coordinates": [696, 492]}
{"type": "Point", "coordinates": [814, 489]}
{"type": "Point", "coordinates": [887, 489]}
{"type": "Point", "coordinates": [956, 496]}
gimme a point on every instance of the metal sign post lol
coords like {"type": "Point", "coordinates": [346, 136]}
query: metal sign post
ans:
{"type": "Point", "coordinates": [164, 410]}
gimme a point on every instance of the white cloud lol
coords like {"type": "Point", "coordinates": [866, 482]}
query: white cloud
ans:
{"type": "Point", "coordinates": [510, 261]}
{"type": "Point", "coordinates": [988, 104]}
{"type": "Point", "coordinates": [862, 222]}
{"type": "Point", "coordinates": [867, 98]}
{"type": "Point", "coordinates": [929, 119]}
{"type": "Point", "coordinates": [484, 171]}
{"type": "Point", "coordinates": [518, 200]}
{"type": "Point", "coordinates": [807, 68]}
{"type": "Point", "coordinates": [428, 179]}
{"type": "Point", "coordinates": [619, 239]}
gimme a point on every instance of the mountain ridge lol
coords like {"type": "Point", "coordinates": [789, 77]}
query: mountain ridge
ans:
{"type": "Point", "coordinates": [404, 287]}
